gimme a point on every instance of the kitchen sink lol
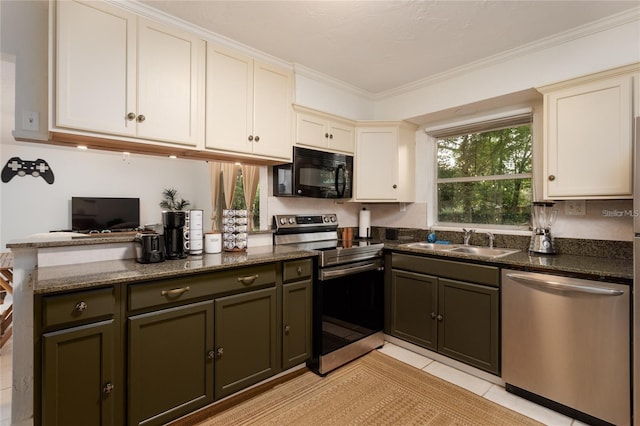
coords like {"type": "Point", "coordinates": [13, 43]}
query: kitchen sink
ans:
{"type": "Point", "coordinates": [483, 251]}
{"type": "Point", "coordinates": [429, 246]}
{"type": "Point", "coordinates": [462, 249]}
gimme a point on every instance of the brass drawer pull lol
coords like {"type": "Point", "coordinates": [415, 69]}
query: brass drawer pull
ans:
{"type": "Point", "coordinates": [175, 292]}
{"type": "Point", "coordinates": [81, 306]}
{"type": "Point", "coordinates": [249, 279]}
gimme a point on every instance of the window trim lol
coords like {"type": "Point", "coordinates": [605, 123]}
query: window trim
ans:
{"type": "Point", "coordinates": [498, 121]}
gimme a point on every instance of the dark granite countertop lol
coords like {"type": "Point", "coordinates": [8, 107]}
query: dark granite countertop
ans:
{"type": "Point", "coordinates": [588, 267]}
{"type": "Point", "coordinates": [51, 279]}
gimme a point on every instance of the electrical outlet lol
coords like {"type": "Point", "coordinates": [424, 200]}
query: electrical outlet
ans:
{"type": "Point", "coordinates": [575, 208]}
{"type": "Point", "coordinates": [30, 121]}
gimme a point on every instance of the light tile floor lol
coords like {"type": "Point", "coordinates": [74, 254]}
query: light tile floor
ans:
{"type": "Point", "coordinates": [474, 384]}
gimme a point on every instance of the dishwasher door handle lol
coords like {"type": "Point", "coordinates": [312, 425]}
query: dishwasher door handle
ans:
{"type": "Point", "coordinates": [568, 288]}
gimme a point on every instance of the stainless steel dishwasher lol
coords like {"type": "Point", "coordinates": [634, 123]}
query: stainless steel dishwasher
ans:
{"type": "Point", "coordinates": [566, 344]}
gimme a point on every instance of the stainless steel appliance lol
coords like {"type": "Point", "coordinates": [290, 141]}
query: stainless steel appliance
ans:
{"type": "Point", "coordinates": [174, 234]}
{"type": "Point", "coordinates": [348, 295]}
{"type": "Point", "coordinates": [315, 174]}
{"type": "Point", "coordinates": [636, 277]}
{"type": "Point", "coordinates": [543, 216]}
{"type": "Point", "coordinates": [565, 344]}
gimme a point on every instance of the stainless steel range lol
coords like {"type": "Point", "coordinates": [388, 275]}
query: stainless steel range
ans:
{"type": "Point", "coordinates": [348, 295]}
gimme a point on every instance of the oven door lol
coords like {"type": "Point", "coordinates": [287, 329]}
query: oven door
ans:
{"type": "Point", "coordinates": [348, 304]}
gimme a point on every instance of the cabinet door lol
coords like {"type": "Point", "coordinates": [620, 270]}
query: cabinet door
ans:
{"type": "Point", "coordinates": [468, 328]}
{"type": "Point", "coordinates": [311, 131]}
{"type": "Point", "coordinates": [171, 74]}
{"type": "Point", "coordinates": [229, 100]}
{"type": "Point", "coordinates": [170, 363]}
{"type": "Point", "coordinates": [296, 322]}
{"type": "Point", "coordinates": [376, 168]}
{"type": "Point", "coordinates": [414, 308]}
{"type": "Point", "coordinates": [342, 137]}
{"type": "Point", "coordinates": [589, 140]}
{"type": "Point", "coordinates": [80, 384]}
{"type": "Point", "coordinates": [245, 340]}
{"type": "Point", "coordinates": [272, 111]}
{"type": "Point", "coordinates": [95, 68]}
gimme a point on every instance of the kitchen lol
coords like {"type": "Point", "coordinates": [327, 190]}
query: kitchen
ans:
{"type": "Point", "coordinates": [86, 164]}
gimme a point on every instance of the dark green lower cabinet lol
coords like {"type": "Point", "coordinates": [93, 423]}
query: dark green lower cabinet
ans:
{"type": "Point", "coordinates": [246, 342]}
{"type": "Point", "coordinates": [455, 318]}
{"type": "Point", "coordinates": [296, 323]}
{"type": "Point", "coordinates": [469, 320]}
{"type": "Point", "coordinates": [414, 304]}
{"type": "Point", "coordinates": [170, 363]}
{"type": "Point", "coordinates": [80, 385]}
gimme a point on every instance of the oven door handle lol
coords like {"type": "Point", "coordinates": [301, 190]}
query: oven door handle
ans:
{"type": "Point", "coordinates": [342, 272]}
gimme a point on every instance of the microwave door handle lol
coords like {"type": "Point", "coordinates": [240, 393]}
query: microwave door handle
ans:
{"type": "Point", "coordinates": [340, 193]}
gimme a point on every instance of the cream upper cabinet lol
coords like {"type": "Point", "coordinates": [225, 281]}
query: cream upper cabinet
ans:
{"type": "Point", "coordinates": [248, 105]}
{"type": "Point", "coordinates": [118, 74]}
{"type": "Point", "coordinates": [315, 129]}
{"type": "Point", "coordinates": [385, 162]}
{"type": "Point", "coordinates": [588, 132]}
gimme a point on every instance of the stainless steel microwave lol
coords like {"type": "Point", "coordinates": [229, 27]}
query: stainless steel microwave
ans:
{"type": "Point", "coordinates": [316, 174]}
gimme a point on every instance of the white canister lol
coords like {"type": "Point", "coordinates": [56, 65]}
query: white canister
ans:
{"type": "Point", "coordinates": [212, 242]}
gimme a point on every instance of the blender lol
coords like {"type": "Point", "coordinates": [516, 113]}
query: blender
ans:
{"type": "Point", "coordinates": [543, 216]}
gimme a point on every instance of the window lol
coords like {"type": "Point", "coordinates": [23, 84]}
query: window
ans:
{"type": "Point", "coordinates": [240, 203]}
{"type": "Point", "coordinates": [484, 173]}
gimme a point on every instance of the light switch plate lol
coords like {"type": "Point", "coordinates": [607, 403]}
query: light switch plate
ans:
{"type": "Point", "coordinates": [575, 208]}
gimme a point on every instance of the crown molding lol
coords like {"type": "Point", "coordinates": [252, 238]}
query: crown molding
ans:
{"type": "Point", "coordinates": [151, 13]}
{"type": "Point", "coordinates": [331, 81]}
{"type": "Point", "coordinates": [613, 21]}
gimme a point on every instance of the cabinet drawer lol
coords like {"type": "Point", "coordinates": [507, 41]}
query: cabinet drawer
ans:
{"type": "Point", "coordinates": [184, 289]}
{"type": "Point", "coordinates": [297, 270]}
{"type": "Point", "coordinates": [80, 306]}
{"type": "Point", "coordinates": [481, 274]}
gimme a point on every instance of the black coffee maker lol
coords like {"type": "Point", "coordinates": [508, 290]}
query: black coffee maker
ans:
{"type": "Point", "coordinates": [174, 234]}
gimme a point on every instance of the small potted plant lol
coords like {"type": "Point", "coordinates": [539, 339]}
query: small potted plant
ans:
{"type": "Point", "coordinates": [170, 201]}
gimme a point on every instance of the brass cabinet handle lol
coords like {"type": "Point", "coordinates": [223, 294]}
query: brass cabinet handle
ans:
{"type": "Point", "coordinates": [81, 306]}
{"type": "Point", "coordinates": [211, 355]}
{"type": "Point", "coordinates": [552, 177]}
{"type": "Point", "coordinates": [299, 270]}
{"type": "Point", "coordinates": [250, 138]}
{"type": "Point", "coordinates": [219, 353]}
{"type": "Point", "coordinates": [141, 118]}
{"type": "Point", "coordinates": [395, 186]}
{"type": "Point", "coordinates": [131, 116]}
{"type": "Point", "coordinates": [175, 292]}
{"type": "Point", "coordinates": [108, 387]}
{"type": "Point", "coordinates": [249, 279]}
{"type": "Point", "coordinates": [287, 329]}
{"type": "Point", "coordinates": [330, 136]}
{"type": "Point", "coordinates": [439, 317]}
{"type": "Point", "coordinates": [257, 138]}
{"type": "Point", "coordinates": [433, 315]}
{"type": "Point", "coordinates": [326, 135]}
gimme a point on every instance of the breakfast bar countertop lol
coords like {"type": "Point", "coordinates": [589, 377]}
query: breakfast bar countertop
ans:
{"type": "Point", "coordinates": [51, 279]}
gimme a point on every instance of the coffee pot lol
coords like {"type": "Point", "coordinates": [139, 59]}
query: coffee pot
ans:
{"type": "Point", "coordinates": [174, 222]}
{"type": "Point", "coordinates": [543, 215]}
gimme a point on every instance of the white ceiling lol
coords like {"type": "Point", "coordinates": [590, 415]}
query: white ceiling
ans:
{"type": "Point", "coordinates": [378, 46]}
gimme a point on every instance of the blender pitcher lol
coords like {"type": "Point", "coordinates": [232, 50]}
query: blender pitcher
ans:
{"type": "Point", "coordinates": [543, 216]}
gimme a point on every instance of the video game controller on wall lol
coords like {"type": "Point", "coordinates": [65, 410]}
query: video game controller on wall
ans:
{"type": "Point", "coordinates": [16, 166]}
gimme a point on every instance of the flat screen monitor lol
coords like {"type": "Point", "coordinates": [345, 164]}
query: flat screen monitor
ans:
{"type": "Point", "coordinates": [99, 214]}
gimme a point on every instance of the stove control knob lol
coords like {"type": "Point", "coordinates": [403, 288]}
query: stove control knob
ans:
{"type": "Point", "coordinates": [326, 219]}
{"type": "Point", "coordinates": [291, 221]}
{"type": "Point", "coordinates": [333, 218]}
{"type": "Point", "coordinates": [283, 221]}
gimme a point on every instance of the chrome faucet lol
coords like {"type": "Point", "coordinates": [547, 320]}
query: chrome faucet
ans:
{"type": "Point", "coordinates": [491, 238]}
{"type": "Point", "coordinates": [467, 235]}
